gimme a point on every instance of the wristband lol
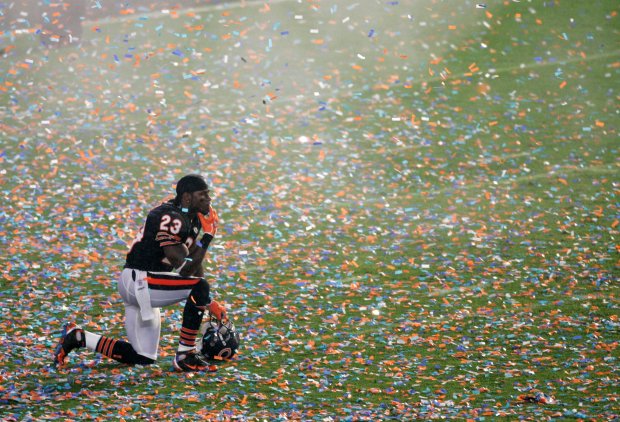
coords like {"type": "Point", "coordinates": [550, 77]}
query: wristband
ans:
{"type": "Point", "coordinates": [185, 261]}
{"type": "Point", "coordinates": [205, 241]}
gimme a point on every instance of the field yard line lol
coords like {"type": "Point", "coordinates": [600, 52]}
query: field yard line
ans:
{"type": "Point", "coordinates": [446, 292]}
{"type": "Point", "coordinates": [157, 14]}
{"type": "Point", "coordinates": [522, 66]}
{"type": "Point", "coordinates": [263, 270]}
{"type": "Point", "coordinates": [482, 284]}
{"type": "Point", "coordinates": [568, 169]}
{"type": "Point", "coordinates": [437, 293]}
{"type": "Point", "coordinates": [208, 8]}
{"type": "Point", "coordinates": [258, 3]}
{"type": "Point", "coordinates": [501, 70]}
{"type": "Point", "coordinates": [593, 169]}
{"type": "Point", "coordinates": [496, 71]}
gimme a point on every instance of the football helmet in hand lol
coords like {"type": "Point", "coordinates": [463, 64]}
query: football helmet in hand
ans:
{"type": "Point", "coordinates": [217, 340]}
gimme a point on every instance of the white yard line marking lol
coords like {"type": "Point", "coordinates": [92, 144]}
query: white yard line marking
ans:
{"type": "Point", "coordinates": [208, 8]}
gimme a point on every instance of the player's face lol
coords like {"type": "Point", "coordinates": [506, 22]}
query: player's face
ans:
{"type": "Point", "coordinates": [201, 200]}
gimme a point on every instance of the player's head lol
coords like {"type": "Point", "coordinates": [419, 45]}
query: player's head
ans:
{"type": "Point", "coordinates": [193, 193]}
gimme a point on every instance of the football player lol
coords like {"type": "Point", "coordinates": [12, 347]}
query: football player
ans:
{"type": "Point", "coordinates": [163, 267]}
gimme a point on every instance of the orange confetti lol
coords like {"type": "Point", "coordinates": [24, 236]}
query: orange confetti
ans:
{"type": "Point", "coordinates": [598, 212]}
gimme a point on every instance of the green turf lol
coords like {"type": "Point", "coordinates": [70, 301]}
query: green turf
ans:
{"type": "Point", "coordinates": [418, 200]}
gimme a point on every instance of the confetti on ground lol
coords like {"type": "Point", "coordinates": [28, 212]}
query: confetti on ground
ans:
{"type": "Point", "coordinates": [418, 204]}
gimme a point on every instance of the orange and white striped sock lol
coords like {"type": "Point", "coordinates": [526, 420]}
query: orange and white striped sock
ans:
{"type": "Point", "coordinates": [187, 340]}
{"type": "Point", "coordinates": [105, 346]}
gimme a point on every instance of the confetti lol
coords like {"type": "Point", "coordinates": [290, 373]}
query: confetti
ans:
{"type": "Point", "coordinates": [418, 207]}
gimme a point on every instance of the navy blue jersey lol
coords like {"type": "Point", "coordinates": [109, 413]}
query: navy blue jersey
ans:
{"type": "Point", "coordinates": [165, 225]}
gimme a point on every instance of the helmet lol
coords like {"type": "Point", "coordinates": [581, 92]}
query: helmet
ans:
{"type": "Point", "coordinates": [218, 340]}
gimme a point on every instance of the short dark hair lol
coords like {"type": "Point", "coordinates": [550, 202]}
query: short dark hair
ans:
{"type": "Point", "coordinates": [190, 183]}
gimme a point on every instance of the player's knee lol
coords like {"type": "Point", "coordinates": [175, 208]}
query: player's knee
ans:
{"type": "Point", "coordinates": [143, 360]}
{"type": "Point", "coordinates": [125, 353]}
{"type": "Point", "coordinates": [200, 293]}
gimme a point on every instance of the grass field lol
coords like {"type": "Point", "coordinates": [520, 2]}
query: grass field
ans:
{"type": "Point", "coordinates": [419, 205]}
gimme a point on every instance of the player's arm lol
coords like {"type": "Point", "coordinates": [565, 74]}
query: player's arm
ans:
{"type": "Point", "coordinates": [176, 254]}
{"type": "Point", "coordinates": [198, 271]}
{"type": "Point", "coordinates": [186, 263]}
{"type": "Point", "coordinates": [197, 251]}
{"type": "Point", "coordinates": [193, 267]}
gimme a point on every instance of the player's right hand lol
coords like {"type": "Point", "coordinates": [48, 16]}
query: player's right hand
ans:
{"type": "Point", "coordinates": [209, 222]}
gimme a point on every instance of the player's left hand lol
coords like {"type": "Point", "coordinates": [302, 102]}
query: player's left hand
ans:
{"type": "Point", "coordinates": [209, 222]}
{"type": "Point", "coordinates": [217, 310]}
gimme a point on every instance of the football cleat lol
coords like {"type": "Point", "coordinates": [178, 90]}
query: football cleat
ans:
{"type": "Point", "coordinates": [72, 337]}
{"type": "Point", "coordinates": [189, 361]}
